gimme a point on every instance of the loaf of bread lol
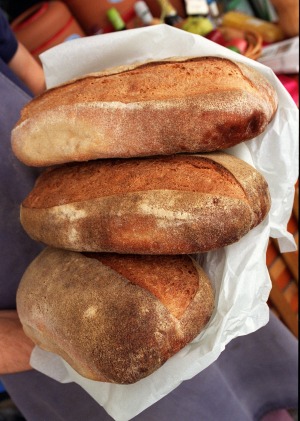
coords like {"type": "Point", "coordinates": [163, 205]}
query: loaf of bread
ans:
{"type": "Point", "coordinates": [172, 204]}
{"type": "Point", "coordinates": [113, 318]}
{"type": "Point", "coordinates": [153, 108]}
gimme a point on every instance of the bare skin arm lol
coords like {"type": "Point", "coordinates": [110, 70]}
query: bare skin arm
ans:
{"type": "Point", "coordinates": [24, 65]}
{"type": "Point", "coordinates": [15, 346]}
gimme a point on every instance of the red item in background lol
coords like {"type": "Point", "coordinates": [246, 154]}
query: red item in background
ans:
{"type": "Point", "coordinates": [240, 43]}
{"type": "Point", "coordinates": [45, 25]}
{"type": "Point", "coordinates": [216, 36]}
{"type": "Point", "coordinates": [291, 84]}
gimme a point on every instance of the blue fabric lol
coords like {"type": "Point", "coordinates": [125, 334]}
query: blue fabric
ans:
{"type": "Point", "coordinates": [2, 389]}
{"type": "Point", "coordinates": [8, 42]}
{"type": "Point", "coordinates": [16, 180]}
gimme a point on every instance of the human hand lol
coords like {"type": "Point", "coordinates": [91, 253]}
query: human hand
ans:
{"type": "Point", "coordinates": [15, 346]}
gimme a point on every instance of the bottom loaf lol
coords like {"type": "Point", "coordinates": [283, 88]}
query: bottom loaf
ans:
{"type": "Point", "coordinates": [113, 318]}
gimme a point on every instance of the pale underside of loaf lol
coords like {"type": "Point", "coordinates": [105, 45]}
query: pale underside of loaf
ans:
{"type": "Point", "coordinates": [168, 222]}
{"type": "Point", "coordinates": [152, 109]}
{"type": "Point", "coordinates": [95, 318]}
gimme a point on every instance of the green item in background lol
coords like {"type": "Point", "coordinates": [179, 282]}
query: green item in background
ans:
{"type": "Point", "coordinates": [115, 19]}
{"type": "Point", "coordinates": [239, 5]}
{"type": "Point", "coordinates": [233, 48]}
{"type": "Point", "coordinates": [198, 25]}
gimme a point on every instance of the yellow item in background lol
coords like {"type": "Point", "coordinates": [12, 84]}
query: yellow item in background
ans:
{"type": "Point", "coordinates": [270, 32]}
{"type": "Point", "coordinates": [197, 25]}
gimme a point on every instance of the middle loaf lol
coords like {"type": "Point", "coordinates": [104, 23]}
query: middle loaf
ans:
{"type": "Point", "coordinates": [176, 204]}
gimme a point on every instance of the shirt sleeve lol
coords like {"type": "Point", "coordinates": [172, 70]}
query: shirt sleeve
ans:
{"type": "Point", "coordinates": [8, 41]}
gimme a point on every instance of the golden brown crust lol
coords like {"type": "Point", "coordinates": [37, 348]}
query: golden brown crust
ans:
{"type": "Point", "coordinates": [114, 177]}
{"type": "Point", "coordinates": [161, 275]}
{"type": "Point", "coordinates": [251, 181]}
{"type": "Point", "coordinates": [105, 326]}
{"type": "Point", "coordinates": [170, 106]}
{"type": "Point", "coordinates": [208, 202]}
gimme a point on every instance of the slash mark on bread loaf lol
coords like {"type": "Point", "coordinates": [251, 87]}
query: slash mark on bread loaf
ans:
{"type": "Point", "coordinates": [80, 182]}
{"type": "Point", "coordinates": [160, 205]}
{"type": "Point", "coordinates": [159, 275]}
{"type": "Point", "coordinates": [90, 314]}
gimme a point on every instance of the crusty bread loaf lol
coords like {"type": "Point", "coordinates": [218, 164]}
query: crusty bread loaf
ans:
{"type": "Point", "coordinates": [152, 108]}
{"type": "Point", "coordinates": [113, 318]}
{"type": "Point", "coordinates": [157, 205]}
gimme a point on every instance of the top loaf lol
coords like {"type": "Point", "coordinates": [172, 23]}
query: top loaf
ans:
{"type": "Point", "coordinates": [176, 105]}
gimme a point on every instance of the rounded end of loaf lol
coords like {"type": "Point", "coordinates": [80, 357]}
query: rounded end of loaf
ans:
{"type": "Point", "coordinates": [92, 310]}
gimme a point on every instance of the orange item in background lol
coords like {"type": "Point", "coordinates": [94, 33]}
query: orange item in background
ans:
{"type": "Point", "coordinates": [288, 16]}
{"type": "Point", "coordinates": [270, 32]}
{"type": "Point", "coordinates": [45, 25]}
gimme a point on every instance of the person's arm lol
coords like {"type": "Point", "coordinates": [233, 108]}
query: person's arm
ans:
{"type": "Point", "coordinates": [15, 346]}
{"type": "Point", "coordinates": [28, 70]}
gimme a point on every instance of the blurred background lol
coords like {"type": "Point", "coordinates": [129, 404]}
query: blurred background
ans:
{"type": "Point", "coordinates": [263, 30]}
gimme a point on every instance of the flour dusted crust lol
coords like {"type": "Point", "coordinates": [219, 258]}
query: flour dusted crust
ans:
{"type": "Point", "coordinates": [109, 324]}
{"type": "Point", "coordinates": [152, 108]}
{"type": "Point", "coordinates": [160, 205]}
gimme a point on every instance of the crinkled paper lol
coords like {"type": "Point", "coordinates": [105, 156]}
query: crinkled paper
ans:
{"type": "Point", "coordinates": [238, 272]}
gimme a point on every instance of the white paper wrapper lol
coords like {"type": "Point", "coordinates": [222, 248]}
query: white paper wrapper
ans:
{"type": "Point", "coordinates": [239, 271]}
